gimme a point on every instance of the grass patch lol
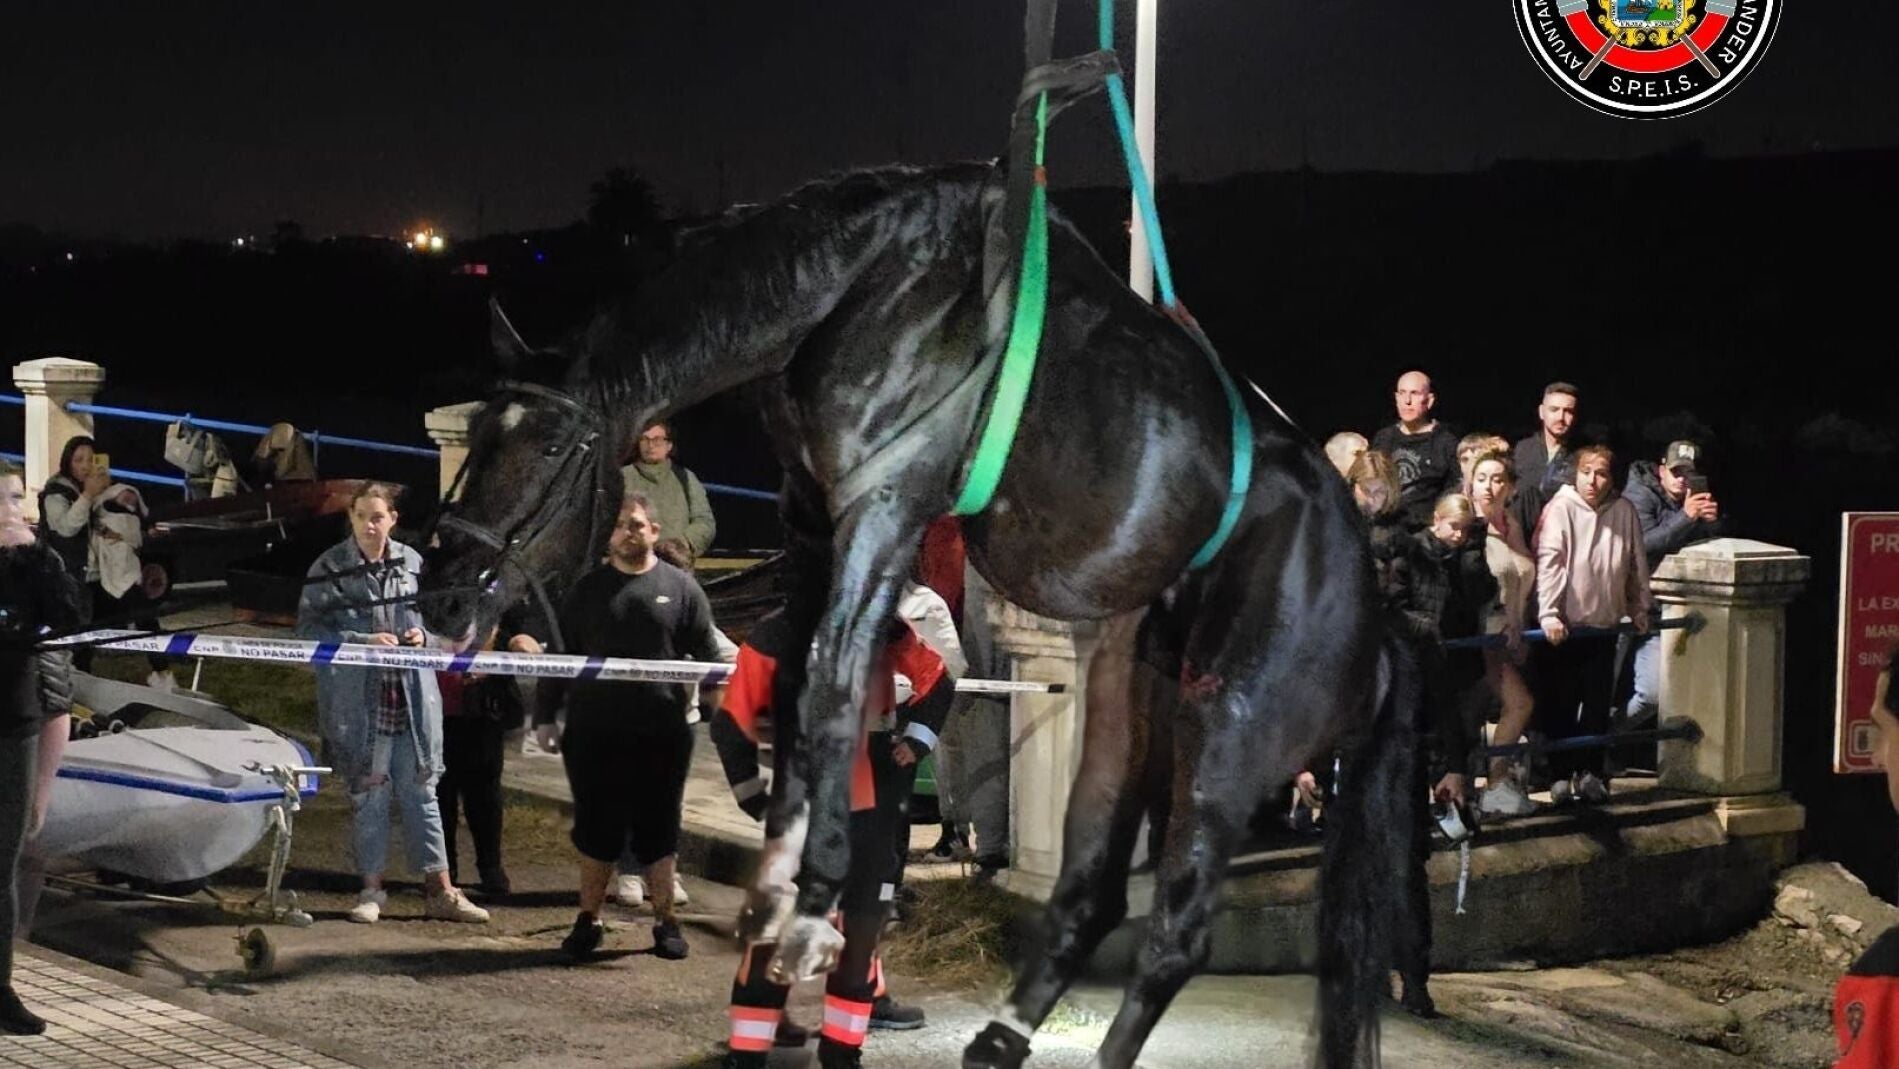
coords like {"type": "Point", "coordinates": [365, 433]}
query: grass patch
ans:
{"type": "Point", "coordinates": [961, 934]}
{"type": "Point", "coordinates": [281, 696]}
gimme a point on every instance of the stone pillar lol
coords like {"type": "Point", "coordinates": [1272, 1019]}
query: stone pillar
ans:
{"type": "Point", "coordinates": [448, 428]}
{"type": "Point", "coordinates": [1727, 674]}
{"type": "Point", "coordinates": [48, 384]}
{"type": "Point", "coordinates": [1045, 732]}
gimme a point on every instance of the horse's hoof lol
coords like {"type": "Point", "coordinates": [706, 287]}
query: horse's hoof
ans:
{"type": "Point", "coordinates": [807, 948]}
{"type": "Point", "coordinates": [765, 914]}
{"type": "Point", "coordinates": [1417, 1002]}
{"type": "Point", "coordinates": [996, 1047]}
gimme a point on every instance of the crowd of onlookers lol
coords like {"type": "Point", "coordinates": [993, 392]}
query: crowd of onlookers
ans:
{"type": "Point", "coordinates": [1538, 552]}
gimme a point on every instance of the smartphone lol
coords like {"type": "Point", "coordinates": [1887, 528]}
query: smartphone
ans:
{"type": "Point", "coordinates": [1697, 484]}
{"type": "Point", "coordinates": [101, 462]}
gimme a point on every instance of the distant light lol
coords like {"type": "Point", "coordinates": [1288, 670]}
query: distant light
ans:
{"type": "Point", "coordinates": [239, 243]}
{"type": "Point", "coordinates": [435, 243]}
{"type": "Point", "coordinates": [421, 240]}
{"type": "Point", "coordinates": [539, 257]}
{"type": "Point", "coordinates": [69, 256]}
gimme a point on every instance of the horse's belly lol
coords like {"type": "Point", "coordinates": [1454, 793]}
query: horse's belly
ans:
{"type": "Point", "coordinates": [1082, 569]}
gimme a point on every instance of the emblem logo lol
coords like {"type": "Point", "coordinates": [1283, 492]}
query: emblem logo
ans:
{"type": "Point", "coordinates": [1647, 59]}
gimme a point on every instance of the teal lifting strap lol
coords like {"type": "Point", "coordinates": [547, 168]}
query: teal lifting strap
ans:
{"type": "Point", "coordinates": [1242, 474]}
{"type": "Point", "coordinates": [1025, 330]}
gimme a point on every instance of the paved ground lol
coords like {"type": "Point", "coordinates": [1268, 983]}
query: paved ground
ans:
{"type": "Point", "coordinates": [93, 1022]}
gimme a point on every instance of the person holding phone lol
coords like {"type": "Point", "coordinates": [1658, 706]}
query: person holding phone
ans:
{"type": "Point", "coordinates": [97, 527]}
{"type": "Point", "coordinates": [66, 503]}
{"type": "Point", "coordinates": [1676, 509]}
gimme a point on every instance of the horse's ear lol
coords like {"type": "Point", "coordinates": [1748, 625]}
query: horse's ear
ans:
{"type": "Point", "coordinates": [510, 350]}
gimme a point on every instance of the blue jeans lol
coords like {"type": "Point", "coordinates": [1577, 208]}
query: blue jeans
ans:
{"type": "Point", "coordinates": [393, 767]}
{"type": "Point", "coordinates": [1646, 698]}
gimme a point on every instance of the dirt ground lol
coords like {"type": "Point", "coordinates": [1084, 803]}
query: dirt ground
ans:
{"type": "Point", "coordinates": [414, 992]}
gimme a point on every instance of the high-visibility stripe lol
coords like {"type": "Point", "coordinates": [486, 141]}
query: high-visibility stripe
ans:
{"type": "Point", "coordinates": [845, 1021]}
{"type": "Point", "coordinates": [754, 1029]}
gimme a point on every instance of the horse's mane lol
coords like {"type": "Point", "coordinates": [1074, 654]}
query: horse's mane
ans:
{"type": "Point", "coordinates": [733, 278]}
{"type": "Point", "coordinates": [852, 186]}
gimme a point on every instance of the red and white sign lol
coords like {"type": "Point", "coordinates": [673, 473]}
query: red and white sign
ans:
{"type": "Point", "coordinates": [1869, 629]}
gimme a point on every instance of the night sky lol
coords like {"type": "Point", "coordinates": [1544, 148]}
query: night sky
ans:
{"type": "Point", "coordinates": [214, 119]}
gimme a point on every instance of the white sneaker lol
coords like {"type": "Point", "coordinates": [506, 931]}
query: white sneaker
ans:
{"type": "Point", "coordinates": [1591, 789]}
{"type": "Point", "coordinates": [1505, 799]}
{"type": "Point", "coordinates": [1562, 791]}
{"type": "Point", "coordinates": [629, 890]}
{"type": "Point", "coordinates": [452, 905]}
{"type": "Point", "coordinates": [680, 897]}
{"type": "Point", "coordinates": [368, 908]}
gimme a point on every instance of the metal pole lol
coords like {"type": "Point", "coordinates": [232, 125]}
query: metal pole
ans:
{"type": "Point", "coordinates": [1140, 260]}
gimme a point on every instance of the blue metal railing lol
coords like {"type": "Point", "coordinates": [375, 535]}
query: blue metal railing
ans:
{"type": "Point", "coordinates": [740, 491]}
{"type": "Point", "coordinates": [118, 473]}
{"type": "Point", "coordinates": [317, 440]}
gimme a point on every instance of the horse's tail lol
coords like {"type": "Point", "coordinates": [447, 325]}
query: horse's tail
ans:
{"type": "Point", "coordinates": [1367, 869]}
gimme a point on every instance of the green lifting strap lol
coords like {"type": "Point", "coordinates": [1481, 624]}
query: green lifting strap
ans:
{"type": "Point", "coordinates": [1031, 308]}
{"type": "Point", "coordinates": [1025, 341]}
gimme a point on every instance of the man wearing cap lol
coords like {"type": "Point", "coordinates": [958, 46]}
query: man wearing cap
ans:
{"type": "Point", "coordinates": [1675, 509]}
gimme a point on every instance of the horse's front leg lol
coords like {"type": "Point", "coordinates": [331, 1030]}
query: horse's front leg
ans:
{"type": "Point", "coordinates": [876, 547]}
{"type": "Point", "coordinates": [773, 894]}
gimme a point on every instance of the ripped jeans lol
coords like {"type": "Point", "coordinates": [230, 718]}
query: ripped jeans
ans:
{"type": "Point", "coordinates": [395, 775]}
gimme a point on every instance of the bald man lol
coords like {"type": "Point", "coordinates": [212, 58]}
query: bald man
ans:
{"type": "Point", "coordinates": [1423, 449]}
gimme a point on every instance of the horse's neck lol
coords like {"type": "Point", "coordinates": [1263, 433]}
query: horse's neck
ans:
{"type": "Point", "coordinates": [734, 311]}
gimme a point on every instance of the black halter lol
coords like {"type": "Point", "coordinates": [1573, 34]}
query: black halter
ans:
{"type": "Point", "coordinates": [509, 543]}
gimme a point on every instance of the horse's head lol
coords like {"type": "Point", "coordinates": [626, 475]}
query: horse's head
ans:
{"type": "Point", "coordinates": [534, 500]}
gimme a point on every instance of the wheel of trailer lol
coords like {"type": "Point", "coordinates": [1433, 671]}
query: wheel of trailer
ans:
{"type": "Point", "coordinates": [255, 950]}
{"type": "Point", "coordinates": [155, 580]}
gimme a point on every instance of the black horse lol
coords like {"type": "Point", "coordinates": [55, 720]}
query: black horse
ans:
{"type": "Point", "coordinates": [855, 307]}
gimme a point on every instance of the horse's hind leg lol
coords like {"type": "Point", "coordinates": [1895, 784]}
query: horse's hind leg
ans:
{"type": "Point", "coordinates": [1249, 690]}
{"type": "Point", "coordinates": [1104, 816]}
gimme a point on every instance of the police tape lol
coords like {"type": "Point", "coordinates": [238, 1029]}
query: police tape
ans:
{"type": "Point", "coordinates": [497, 663]}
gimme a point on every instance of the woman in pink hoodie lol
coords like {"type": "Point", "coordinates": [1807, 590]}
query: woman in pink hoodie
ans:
{"type": "Point", "coordinates": [1590, 572]}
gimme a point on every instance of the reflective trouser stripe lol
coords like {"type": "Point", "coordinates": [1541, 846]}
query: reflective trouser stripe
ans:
{"type": "Point", "coordinates": [754, 1029]}
{"type": "Point", "coordinates": [845, 1021]}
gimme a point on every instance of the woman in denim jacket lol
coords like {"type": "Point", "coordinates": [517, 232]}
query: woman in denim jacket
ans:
{"type": "Point", "coordinates": [381, 727]}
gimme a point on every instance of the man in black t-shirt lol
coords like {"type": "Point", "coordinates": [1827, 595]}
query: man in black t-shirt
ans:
{"type": "Point", "coordinates": [627, 746]}
{"type": "Point", "coordinates": [1423, 450]}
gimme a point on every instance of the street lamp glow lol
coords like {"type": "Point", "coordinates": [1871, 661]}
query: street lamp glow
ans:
{"type": "Point", "coordinates": [435, 243]}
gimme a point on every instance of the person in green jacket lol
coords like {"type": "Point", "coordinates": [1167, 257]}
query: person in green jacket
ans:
{"type": "Point", "coordinates": [679, 500]}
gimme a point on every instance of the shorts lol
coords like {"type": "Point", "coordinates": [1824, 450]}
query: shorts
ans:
{"type": "Point", "coordinates": [627, 787]}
